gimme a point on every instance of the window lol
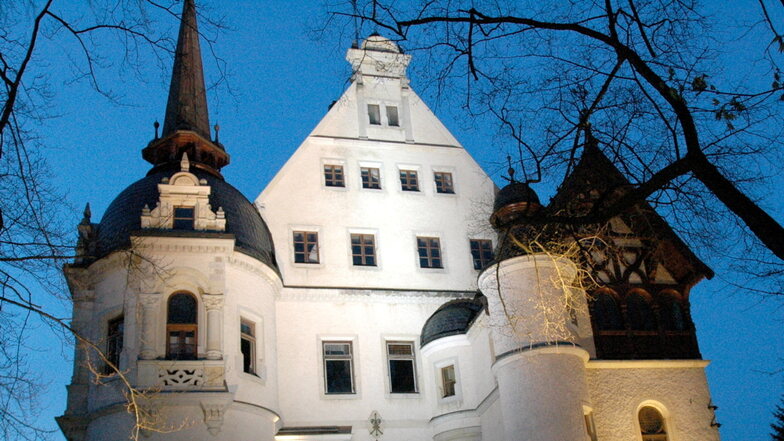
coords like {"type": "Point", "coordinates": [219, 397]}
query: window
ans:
{"type": "Point", "coordinates": [371, 178]}
{"type": "Point", "coordinates": [408, 180]}
{"type": "Point", "coordinates": [429, 252]}
{"type": "Point", "coordinates": [481, 252]}
{"type": "Point", "coordinates": [248, 346]}
{"type": "Point", "coordinates": [114, 343]}
{"type": "Point", "coordinates": [338, 367]}
{"type": "Point", "coordinates": [639, 313]}
{"type": "Point", "coordinates": [363, 249]}
{"type": "Point", "coordinates": [402, 369]}
{"type": "Point", "coordinates": [652, 426]}
{"type": "Point", "coordinates": [392, 118]}
{"type": "Point", "coordinates": [333, 176]}
{"type": "Point", "coordinates": [606, 313]}
{"type": "Point", "coordinates": [444, 183]}
{"type": "Point", "coordinates": [671, 313]}
{"type": "Point", "coordinates": [448, 381]}
{"type": "Point", "coordinates": [183, 218]}
{"type": "Point", "coordinates": [181, 327]}
{"type": "Point", "coordinates": [374, 114]}
{"type": "Point", "coordinates": [306, 247]}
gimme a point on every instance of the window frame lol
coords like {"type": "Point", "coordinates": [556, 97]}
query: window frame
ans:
{"type": "Point", "coordinates": [447, 385]}
{"type": "Point", "coordinates": [450, 182]}
{"type": "Point", "coordinates": [305, 253]}
{"type": "Point", "coordinates": [113, 349]}
{"type": "Point", "coordinates": [400, 357]}
{"type": "Point", "coordinates": [176, 218]}
{"type": "Point", "coordinates": [428, 248]}
{"type": "Point", "coordinates": [251, 338]}
{"type": "Point", "coordinates": [350, 358]}
{"type": "Point", "coordinates": [397, 115]}
{"type": "Point", "coordinates": [370, 114]}
{"type": "Point", "coordinates": [666, 435]}
{"type": "Point", "coordinates": [403, 186]}
{"type": "Point", "coordinates": [368, 184]}
{"type": "Point", "coordinates": [480, 259]}
{"type": "Point", "coordinates": [332, 182]}
{"type": "Point", "coordinates": [362, 255]}
{"type": "Point", "coordinates": [182, 328]}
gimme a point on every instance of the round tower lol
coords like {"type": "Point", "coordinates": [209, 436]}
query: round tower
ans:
{"type": "Point", "coordinates": [539, 367]}
{"type": "Point", "coordinates": [174, 292]}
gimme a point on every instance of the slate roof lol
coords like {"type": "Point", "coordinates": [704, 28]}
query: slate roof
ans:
{"type": "Point", "coordinates": [513, 193]}
{"type": "Point", "coordinates": [452, 318]}
{"type": "Point", "coordinates": [123, 218]}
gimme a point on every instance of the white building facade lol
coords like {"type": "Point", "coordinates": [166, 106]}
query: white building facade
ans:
{"type": "Point", "coordinates": [359, 298]}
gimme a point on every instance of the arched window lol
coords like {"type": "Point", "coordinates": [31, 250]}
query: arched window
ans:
{"type": "Point", "coordinates": [652, 427]}
{"type": "Point", "coordinates": [181, 327]}
{"type": "Point", "coordinates": [639, 312]}
{"type": "Point", "coordinates": [671, 312]}
{"type": "Point", "coordinates": [606, 313]}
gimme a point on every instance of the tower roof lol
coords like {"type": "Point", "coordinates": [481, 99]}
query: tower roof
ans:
{"type": "Point", "coordinates": [187, 105]}
{"type": "Point", "coordinates": [186, 128]}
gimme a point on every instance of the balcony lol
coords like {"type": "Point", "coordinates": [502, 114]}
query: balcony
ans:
{"type": "Point", "coordinates": [182, 375]}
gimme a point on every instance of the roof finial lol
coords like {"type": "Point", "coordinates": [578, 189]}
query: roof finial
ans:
{"type": "Point", "coordinates": [185, 165]}
{"type": "Point", "coordinates": [187, 105]}
{"type": "Point", "coordinates": [511, 169]}
{"type": "Point", "coordinates": [87, 214]}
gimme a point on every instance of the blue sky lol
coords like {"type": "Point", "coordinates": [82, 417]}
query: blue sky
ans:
{"type": "Point", "coordinates": [282, 82]}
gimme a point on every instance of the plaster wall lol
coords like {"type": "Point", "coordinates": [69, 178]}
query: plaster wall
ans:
{"type": "Point", "coordinates": [677, 388]}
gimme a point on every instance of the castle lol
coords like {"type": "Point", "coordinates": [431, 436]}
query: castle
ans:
{"type": "Point", "coordinates": [380, 288]}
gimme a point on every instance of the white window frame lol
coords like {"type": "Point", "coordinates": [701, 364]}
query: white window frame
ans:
{"type": "Point", "coordinates": [376, 242]}
{"type": "Point", "coordinates": [412, 358]}
{"type": "Point", "coordinates": [444, 169]}
{"type": "Point", "coordinates": [458, 396]}
{"type": "Point", "coordinates": [442, 245]}
{"type": "Point", "coordinates": [333, 162]}
{"type": "Point", "coordinates": [381, 180]}
{"type": "Point", "coordinates": [355, 371]}
{"type": "Point", "coordinates": [410, 167]}
{"type": "Point", "coordinates": [260, 372]}
{"type": "Point", "coordinates": [252, 339]}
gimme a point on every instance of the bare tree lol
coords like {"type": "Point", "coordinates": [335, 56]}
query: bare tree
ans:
{"type": "Point", "coordinates": [645, 78]}
{"type": "Point", "coordinates": [33, 241]}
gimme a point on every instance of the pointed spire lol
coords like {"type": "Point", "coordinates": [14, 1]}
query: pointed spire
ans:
{"type": "Point", "coordinates": [185, 165]}
{"type": "Point", "coordinates": [187, 105]}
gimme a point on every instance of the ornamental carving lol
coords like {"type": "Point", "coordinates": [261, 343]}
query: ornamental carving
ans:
{"type": "Point", "coordinates": [181, 377]}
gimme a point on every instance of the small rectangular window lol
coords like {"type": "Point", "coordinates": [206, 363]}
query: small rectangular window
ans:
{"type": "Point", "coordinates": [402, 369]}
{"type": "Point", "coordinates": [114, 343]}
{"type": "Point", "coordinates": [333, 176]}
{"type": "Point", "coordinates": [248, 346]}
{"type": "Point", "coordinates": [306, 247]}
{"type": "Point", "coordinates": [371, 178]}
{"type": "Point", "coordinates": [374, 114]}
{"type": "Point", "coordinates": [444, 182]}
{"type": "Point", "coordinates": [409, 180]}
{"type": "Point", "coordinates": [448, 381]}
{"type": "Point", "coordinates": [183, 218]}
{"type": "Point", "coordinates": [338, 367]}
{"type": "Point", "coordinates": [392, 118]}
{"type": "Point", "coordinates": [481, 252]}
{"type": "Point", "coordinates": [429, 249]}
{"type": "Point", "coordinates": [363, 249]}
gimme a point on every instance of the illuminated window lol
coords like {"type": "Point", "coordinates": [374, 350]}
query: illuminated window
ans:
{"type": "Point", "coordinates": [652, 427]}
{"type": "Point", "coordinates": [374, 114]}
{"type": "Point", "coordinates": [338, 367]}
{"type": "Point", "coordinates": [392, 118]}
{"type": "Point", "coordinates": [448, 381]}
{"type": "Point", "coordinates": [481, 252]}
{"type": "Point", "coordinates": [409, 180]}
{"type": "Point", "coordinates": [333, 176]}
{"type": "Point", "coordinates": [114, 343]}
{"type": "Point", "coordinates": [183, 218]}
{"type": "Point", "coordinates": [444, 183]}
{"type": "Point", "coordinates": [371, 178]}
{"type": "Point", "coordinates": [402, 369]}
{"type": "Point", "coordinates": [181, 327]}
{"type": "Point", "coordinates": [306, 247]}
{"type": "Point", "coordinates": [248, 346]}
{"type": "Point", "coordinates": [363, 249]}
{"type": "Point", "coordinates": [429, 249]}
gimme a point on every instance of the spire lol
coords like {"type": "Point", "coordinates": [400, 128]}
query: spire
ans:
{"type": "Point", "coordinates": [187, 105]}
{"type": "Point", "coordinates": [186, 128]}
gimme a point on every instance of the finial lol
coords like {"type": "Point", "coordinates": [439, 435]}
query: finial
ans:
{"type": "Point", "coordinates": [156, 124]}
{"type": "Point", "coordinates": [217, 132]}
{"type": "Point", "coordinates": [511, 169]}
{"type": "Point", "coordinates": [185, 165]}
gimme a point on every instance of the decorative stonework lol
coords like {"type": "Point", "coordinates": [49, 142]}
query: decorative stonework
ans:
{"type": "Point", "coordinates": [177, 377]}
{"type": "Point", "coordinates": [184, 189]}
{"type": "Point", "coordinates": [213, 417]}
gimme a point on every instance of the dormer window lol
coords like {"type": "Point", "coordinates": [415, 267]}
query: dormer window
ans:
{"type": "Point", "coordinates": [183, 218]}
{"type": "Point", "coordinates": [374, 114]}
{"type": "Point", "coordinates": [392, 118]}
